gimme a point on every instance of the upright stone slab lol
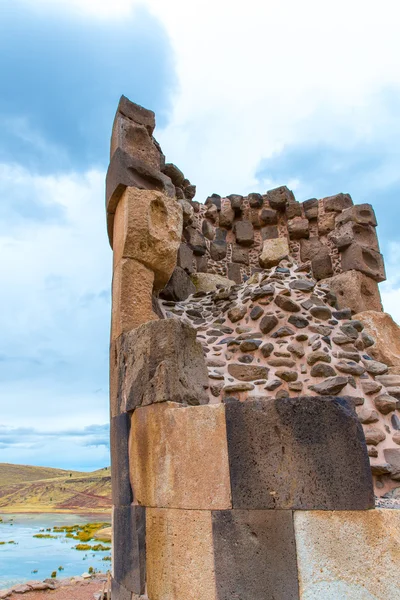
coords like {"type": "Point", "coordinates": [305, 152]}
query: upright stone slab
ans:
{"type": "Point", "coordinates": [304, 453]}
{"type": "Point", "coordinates": [121, 488]}
{"type": "Point", "coordinates": [129, 552]}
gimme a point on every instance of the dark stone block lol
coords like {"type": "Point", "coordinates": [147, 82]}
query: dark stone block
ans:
{"type": "Point", "coordinates": [129, 547]}
{"type": "Point", "coordinates": [311, 208]}
{"type": "Point", "coordinates": [175, 174]}
{"type": "Point", "coordinates": [255, 200]}
{"type": "Point", "coordinates": [304, 453]}
{"type": "Point", "coordinates": [269, 216]}
{"type": "Point", "coordinates": [255, 555]}
{"type": "Point", "coordinates": [118, 592]}
{"type": "Point", "coordinates": [207, 229]}
{"type": "Point", "coordinates": [195, 240]}
{"type": "Point", "coordinates": [280, 197]}
{"type": "Point", "coordinates": [337, 203]}
{"type": "Point", "coordinates": [356, 257]}
{"type": "Point", "coordinates": [270, 232]}
{"type": "Point", "coordinates": [244, 233]}
{"type": "Point", "coordinates": [234, 272]}
{"type": "Point", "coordinates": [218, 250]}
{"type": "Point", "coordinates": [179, 287]}
{"type": "Point", "coordinates": [293, 210]}
{"type": "Point", "coordinates": [137, 113]}
{"type": "Point", "coordinates": [321, 265]}
{"type": "Point", "coordinates": [121, 487]}
{"type": "Point", "coordinates": [240, 255]}
{"type": "Point", "coordinates": [236, 203]}
{"type": "Point", "coordinates": [185, 258]}
{"type": "Point", "coordinates": [201, 264]}
{"type": "Point", "coordinates": [214, 199]}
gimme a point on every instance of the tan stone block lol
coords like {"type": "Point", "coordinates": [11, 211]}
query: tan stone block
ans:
{"type": "Point", "coordinates": [148, 228]}
{"type": "Point", "coordinates": [179, 555]}
{"type": "Point", "coordinates": [134, 139]}
{"type": "Point", "coordinates": [208, 282]}
{"type": "Point", "coordinates": [326, 223]}
{"type": "Point", "coordinates": [348, 554]}
{"type": "Point", "coordinates": [356, 291]}
{"type": "Point", "coordinates": [273, 252]}
{"type": "Point", "coordinates": [386, 334]}
{"type": "Point", "coordinates": [179, 457]}
{"type": "Point", "coordinates": [131, 296]}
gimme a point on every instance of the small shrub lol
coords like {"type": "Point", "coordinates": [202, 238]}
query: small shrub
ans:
{"type": "Point", "coordinates": [83, 547]}
{"type": "Point", "coordinates": [54, 574]}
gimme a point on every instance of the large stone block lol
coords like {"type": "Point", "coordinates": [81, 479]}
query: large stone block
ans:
{"type": "Point", "coordinates": [134, 139]}
{"type": "Point", "coordinates": [367, 261]}
{"type": "Point", "coordinates": [360, 213]}
{"type": "Point", "coordinates": [119, 592]}
{"type": "Point", "coordinates": [306, 453]}
{"type": "Point", "coordinates": [273, 251]}
{"type": "Point", "coordinates": [128, 551]}
{"type": "Point", "coordinates": [196, 241]}
{"type": "Point", "coordinates": [209, 282]}
{"type": "Point", "coordinates": [131, 296]}
{"type": "Point", "coordinates": [179, 287]}
{"type": "Point", "coordinates": [148, 228]}
{"type": "Point", "coordinates": [310, 208]}
{"type": "Point", "coordinates": [356, 291]}
{"type": "Point", "coordinates": [244, 233]}
{"type": "Point", "coordinates": [185, 258]}
{"type": "Point", "coordinates": [161, 362]}
{"type": "Point", "coordinates": [127, 171]}
{"type": "Point", "coordinates": [352, 555]}
{"type": "Point", "coordinates": [171, 463]}
{"type": "Point", "coordinates": [298, 228]}
{"type": "Point", "coordinates": [180, 555]}
{"type": "Point", "coordinates": [280, 197]}
{"type": "Point", "coordinates": [121, 487]}
{"type": "Point", "coordinates": [386, 334]}
{"type": "Point", "coordinates": [321, 264]}
{"type": "Point", "coordinates": [255, 555]}
{"type": "Point", "coordinates": [349, 232]}
{"type": "Point", "coordinates": [137, 113]}
{"type": "Point", "coordinates": [337, 203]}
{"type": "Point", "coordinates": [310, 247]}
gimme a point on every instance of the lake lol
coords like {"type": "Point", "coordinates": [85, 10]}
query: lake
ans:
{"type": "Point", "coordinates": [17, 562]}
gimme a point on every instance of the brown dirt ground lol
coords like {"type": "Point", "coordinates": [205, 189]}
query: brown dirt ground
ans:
{"type": "Point", "coordinates": [77, 591]}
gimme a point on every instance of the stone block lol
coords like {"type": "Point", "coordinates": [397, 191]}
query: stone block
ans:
{"type": "Point", "coordinates": [210, 282]}
{"type": "Point", "coordinates": [171, 464]}
{"type": "Point", "coordinates": [244, 233]}
{"type": "Point", "coordinates": [180, 555]}
{"type": "Point", "coordinates": [269, 232]}
{"type": "Point", "coordinates": [321, 264]}
{"type": "Point", "coordinates": [367, 261]}
{"type": "Point", "coordinates": [234, 272]}
{"type": "Point", "coordinates": [307, 453]}
{"type": "Point", "coordinates": [350, 554]}
{"type": "Point", "coordinates": [363, 214]}
{"type": "Point", "coordinates": [236, 203]}
{"type": "Point", "coordinates": [119, 434]}
{"type": "Point", "coordinates": [356, 291]}
{"type": "Point", "coordinates": [255, 200]}
{"type": "Point", "coordinates": [218, 250]}
{"type": "Point", "coordinates": [119, 592]}
{"type": "Point", "coordinates": [293, 209]}
{"type": "Point", "coordinates": [175, 174]}
{"type": "Point", "coordinates": [195, 240]}
{"type": "Point", "coordinates": [207, 229]}
{"type": "Point", "coordinates": [127, 171]}
{"type": "Point", "coordinates": [280, 197]}
{"type": "Point", "coordinates": [131, 296]}
{"type": "Point", "coordinates": [179, 287]}
{"type": "Point", "coordinates": [386, 335]}
{"type": "Point", "coordinates": [129, 547]}
{"type": "Point", "coordinates": [273, 252]}
{"type": "Point", "coordinates": [337, 203]}
{"type": "Point", "coordinates": [298, 228]}
{"type": "Point", "coordinates": [240, 255]}
{"type": "Point", "coordinates": [148, 228]}
{"type": "Point", "coordinates": [137, 113]}
{"type": "Point", "coordinates": [161, 362]}
{"type": "Point", "coordinates": [255, 554]}
{"type": "Point", "coordinates": [309, 248]}
{"type": "Point", "coordinates": [185, 258]}
{"type": "Point", "coordinates": [134, 139]}
{"type": "Point", "coordinates": [326, 223]}
{"type": "Point", "coordinates": [226, 216]}
{"type": "Point", "coordinates": [310, 208]}
{"type": "Point", "coordinates": [201, 264]}
{"type": "Point", "coordinates": [350, 232]}
{"type": "Point", "coordinates": [269, 216]}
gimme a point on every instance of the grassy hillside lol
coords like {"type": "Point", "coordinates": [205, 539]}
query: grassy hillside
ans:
{"type": "Point", "coordinates": [40, 489]}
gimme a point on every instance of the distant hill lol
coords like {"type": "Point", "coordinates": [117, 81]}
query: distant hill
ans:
{"type": "Point", "coordinates": [24, 488]}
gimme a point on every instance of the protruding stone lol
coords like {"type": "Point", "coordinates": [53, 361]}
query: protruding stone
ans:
{"type": "Point", "coordinates": [244, 233]}
{"type": "Point", "coordinates": [321, 265]}
{"type": "Point", "coordinates": [237, 313]}
{"type": "Point", "coordinates": [363, 214]}
{"type": "Point", "coordinates": [374, 436]}
{"type": "Point", "coordinates": [280, 197]}
{"type": "Point", "coordinates": [332, 386]}
{"type": "Point", "coordinates": [240, 255]}
{"type": "Point", "coordinates": [195, 240]}
{"type": "Point", "coordinates": [209, 282]}
{"type": "Point", "coordinates": [286, 303]}
{"type": "Point", "coordinates": [326, 223]}
{"type": "Point", "coordinates": [298, 228]}
{"type": "Point", "coordinates": [311, 208]}
{"type": "Point", "coordinates": [234, 272]}
{"type": "Point", "coordinates": [236, 203]}
{"type": "Point", "coordinates": [185, 258]}
{"type": "Point", "coordinates": [385, 403]}
{"type": "Point", "coordinates": [356, 291]}
{"type": "Point", "coordinates": [386, 335]}
{"type": "Point", "coordinates": [365, 260]}
{"type": "Point", "coordinates": [273, 252]}
{"type": "Point", "coordinates": [255, 200]}
{"type": "Point", "coordinates": [226, 216]}
{"type": "Point", "coordinates": [129, 552]}
{"type": "Point", "coordinates": [269, 216]}
{"type": "Point", "coordinates": [179, 287]}
{"type": "Point", "coordinates": [267, 323]}
{"type": "Point", "coordinates": [337, 203]}
{"type": "Point", "coordinates": [247, 372]}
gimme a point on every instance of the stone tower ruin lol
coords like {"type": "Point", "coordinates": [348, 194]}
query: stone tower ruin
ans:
{"type": "Point", "coordinates": [254, 398]}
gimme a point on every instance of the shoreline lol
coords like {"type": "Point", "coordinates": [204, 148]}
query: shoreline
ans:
{"type": "Point", "coordinates": [68, 511]}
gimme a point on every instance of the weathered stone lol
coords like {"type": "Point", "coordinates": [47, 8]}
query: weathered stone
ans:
{"type": "Point", "coordinates": [201, 264]}
{"type": "Point", "coordinates": [132, 303]}
{"type": "Point", "coordinates": [386, 334]}
{"type": "Point", "coordinates": [218, 250]}
{"type": "Point", "coordinates": [318, 356]}
{"type": "Point", "coordinates": [360, 548]}
{"type": "Point", "coordinates": [237, 313]}
{"type": "Point", "coordinates": [326, 223]}
{"type": "Point", "coordinates": [175, 174]}
{"type": "Point", "coordinates": [147, 228]}
{"type": "Point", "coordinates": [370, 387]}
{"type": "Point", "coordinates": [119, 592]}
{"type": "Point", "coordinates": [305, 453]}
{"type": "Point", "coordinates": [351, 368]}
{"type": "Point", "coordinates": [311, 208]}
{"type": "Point", "coordinates": [208, 282]}
{"type": "Point", "coordinates": [283, 332]}
{"type": "Point", "coordinates": [159, 362]}
{"type": "Point", "coordinates": [322, 370]}
{"type": "Point", "coordinates": [304, 285]}
{"type": "Point", "coordinates": [337, 203]}
{"type": "Point", "coordinates": [180, 556]}
{"type": "Point", "coordinates": [134, 139]}
{"type": "Point", "coordinates": [286, 375]}
{"type": "Point", "coordinates": [368, 415]}
{"type": "Point", "coordinates": [255, 200]}
{"type": "Point", "coordinates": [240, 255]}
{"type": "Point", "coordinates": [286, 303]}
{"type": "Point", "coordinates": [332, 386]}
{"type": "Point", "coordinates": [298, 228]}
{"type": "Point", "coordinates": [385, 403]}
{"type": "Point", "coordinates": [273, 252]}
{"type": "Point", "coordinates": [179, 287]}
{"type": "Point", "coordinates": [236, 203]}
{"type": "Point", "coordinates": [250, 345]}
{"type": "Point", "coordinates": [281, 361]}
{"type": "Point", "coordinates": [342, 315]}
{"type": "Point", "coordinates": [365, 260]}
{"type": "Point", "coordinates": [207, 229]}
{"type": "Point", "coordinates": [321, 312]}
{"type": "Point", "coordinates": [298, 321]}
{"type": "Point", "coordinates": [346, 234]}
{"type": "Point", "coordinates": [309, 248]}
{"type": "Point", "coordinates": [245, 567]}
{"type": "Point", "coordinates": [356, 291]}
{"type": "Point", "coordinates": [321, 265]}
{"type": "Point", "coordinates": [234, 272]}
{"type": "Point", "coordinates": [121, 489]}
{"type": "Point", "coordinates": [363, 214]}
{"type": "Point", "coordinates": [238, 387]}
{"type": "Point", "coordinates": [296, 348]}
{"type": "Point", "coordinates": [256, 313]}
{"type": "Point", "coordinates": [269, 232]}
{"type": "Point", "coordinates": [244, 233]}
{"type": "Point", "coordinates": [195, 240]}
{"type": "Point", "coordinates": [293, 209]}
{"type": "Point", "coordinates": [269, 216]}
{"type": "Point", "coordinates": [374, 367]}
{"type": "Point", "coordinates": [374, 436]}
{"type": "Point", "coordinates": [185, 258]}
{"type": "Point", "coordinates": [280, 197]}
{"type": "Point", "coordinates": [247, 372]}
{"type": "Point", "coordinates": [268, 322]}
{"type": "Point", "coordinates": [170, 464]}
{"type": "Point", "coordinates": [129, 552]}
{"type": "Point", "coordinates": [266, 349]}
{"type": "Point", "coordinates": [262, 292]}
{"type": "Point", "coordinates": [226, 216]}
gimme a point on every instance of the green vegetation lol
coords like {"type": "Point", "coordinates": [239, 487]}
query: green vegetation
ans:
{"type": "Point", "coordinates": [54, 574]}
{"type": "Point", "coordinates": [106, 558]}
{"type": "Point", "coordinates": [83, 547]}
{"type": "Point", "coordinates": [46, 536]}
{"type": "Point", "coordinates": [61, 568]}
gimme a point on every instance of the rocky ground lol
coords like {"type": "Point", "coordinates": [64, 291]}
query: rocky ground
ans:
{"type": "Point", "coordinates": [74, 588]}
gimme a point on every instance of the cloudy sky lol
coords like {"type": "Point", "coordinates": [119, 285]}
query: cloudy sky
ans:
{"type": "Point", "coordinates": [247, 95]}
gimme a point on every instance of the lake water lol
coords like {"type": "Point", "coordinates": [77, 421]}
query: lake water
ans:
{"type": "Point", "coordinates": [44, 555]}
